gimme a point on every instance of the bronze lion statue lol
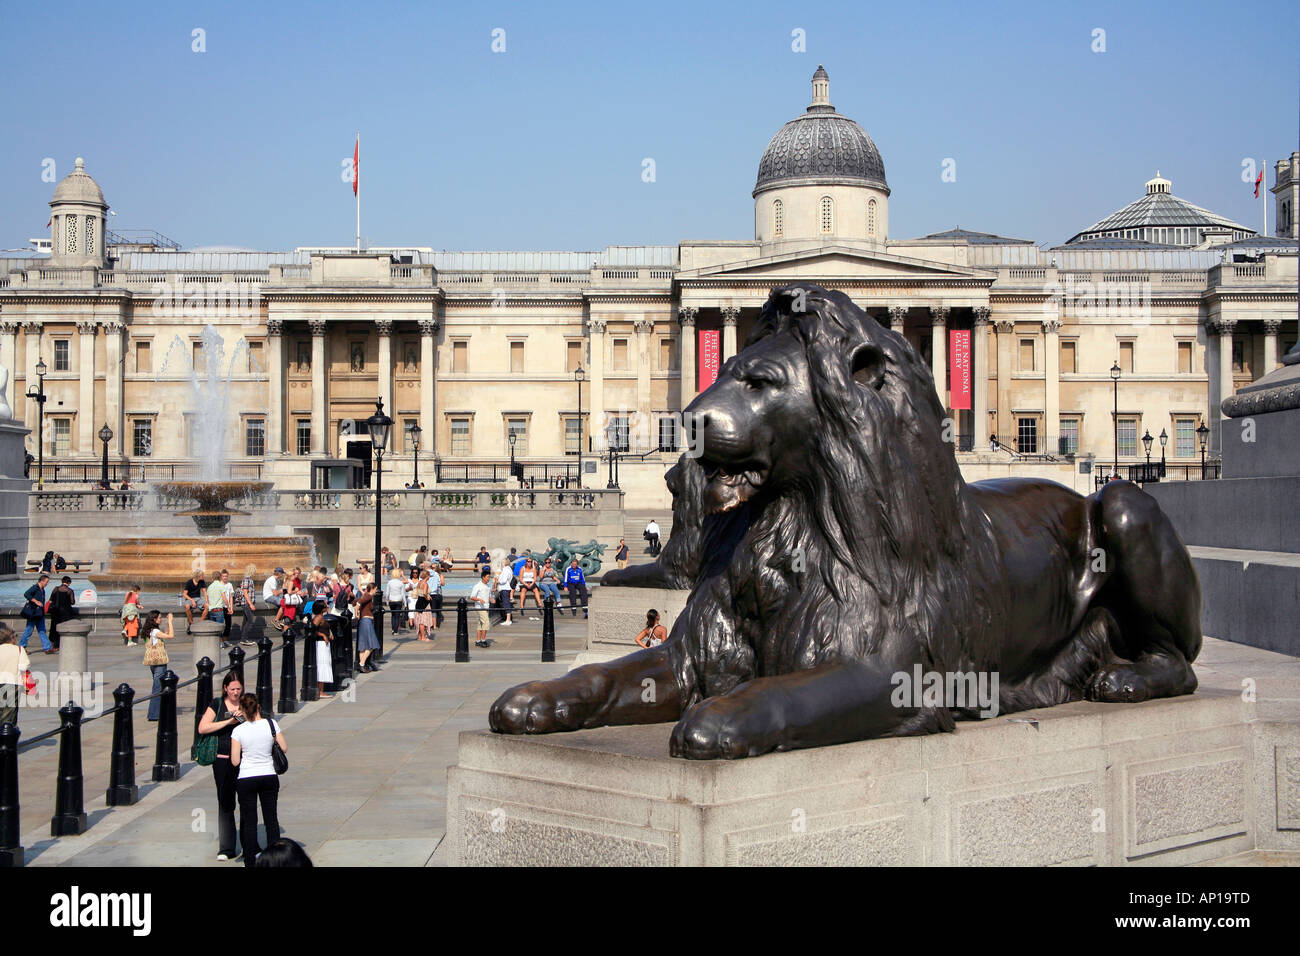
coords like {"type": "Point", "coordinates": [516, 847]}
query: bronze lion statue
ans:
{"type": "Point", "coordinates": [842, 552]}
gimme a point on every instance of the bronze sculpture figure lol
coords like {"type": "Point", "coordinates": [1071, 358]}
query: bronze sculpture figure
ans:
{"type": "Point", "coordinates": [679, 561]}
{"type": "Point", "coordinates": [842, 548]}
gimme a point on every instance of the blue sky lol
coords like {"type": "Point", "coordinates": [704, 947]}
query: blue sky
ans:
{"type": "Point", "coordinates": [541, 146]}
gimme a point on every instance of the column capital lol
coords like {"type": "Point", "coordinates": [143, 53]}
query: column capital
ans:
{"type": "Point", "coordinates": [687, 314]}
{"type": "Point", "coordinates": [643, 326]}
{"type": "Point", "coordinates": [1272, 326]}
{"type": "Point", "coordinates": [1051, 326]}
{"type": "Point", "coordinates": [275, 327]}
{"type": "Point", "coordinates": [384, 327]}
{"type": "Point", "coordinates": [317, 326]}
{"type": "Point", "coordinates": [32, 327]}
{"type": "Point", "coordinates": [10, 328]}
{"type": "Point", "coordinates": [939, 314]}
{"type": "Point", "coordinates": [1004, 326]}
{"type": "Point", "coordinates": [1225, 326]}
{"type": "Point", "coordinates": [982, 314]}
{"type": "Point", "coordinates": [730, 315]}
{"type": "Point", "coordinates": [429, 326]}
{"type": "Point", "coordinates": [897, 314]}
{"type": "Point", "coordinates": [596, 325]}
{"type": "Point", "coordinates": [87, 328]}
{"type": "Point", "coordinates": [113, 328]}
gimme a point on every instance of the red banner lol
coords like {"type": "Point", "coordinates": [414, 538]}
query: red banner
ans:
{"type": "Point", "coordinates": [710, 357]}
{"type": "Point", "coordinates": [959, 368]}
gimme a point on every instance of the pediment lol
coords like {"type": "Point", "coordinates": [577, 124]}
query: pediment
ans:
{"type": "Point", "coordinates": [837, 262]}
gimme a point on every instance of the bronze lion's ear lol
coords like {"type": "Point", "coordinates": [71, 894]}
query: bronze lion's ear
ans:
{"type": "Point", "coordinates": [868, 367]}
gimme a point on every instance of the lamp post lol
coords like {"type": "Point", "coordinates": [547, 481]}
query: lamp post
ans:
{"type": "Point", "coordinates": [37, 394]}
{"type": "Point", "coordinates": [511, 439]}
{"type": "Point", "coordinates": [1164, 440]}
{"type": "Point", "coordinates": [106, 436]}
{"type": "Point", "coordinates": [1146, 443]}
{"type": "Point", "coordinates": [379, 425]}
{"type": "Point", "coordinates": [578, 375]}
{"type": "Point", "coordinates": [415, 445]}
{"type": "Point", "coordinates": [1203, 434]}
{"type": "Point", "coordinates": [1114, 374]}
{"type": "Point", "coordinates": [611, 439]}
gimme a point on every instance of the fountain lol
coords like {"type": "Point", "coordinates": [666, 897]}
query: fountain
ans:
{"type": "Point", "coordinates": [163, 563]}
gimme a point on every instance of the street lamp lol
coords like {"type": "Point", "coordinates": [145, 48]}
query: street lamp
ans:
{"type": "Point", "coordinates": [611, 439]}
{"type": "Point", "coordinates": [1164, 440]}
{"type": "Point", "coordinates": [1114, 374]}
{"type": "Point", "coordinates": [578, 375]}
{"type": "Point", "coordinates": [106, 436]}
{"type": "Point", "coordinates": [510, 440]}
{"type": "Point", "coordinates": [415, 445]}
{"type": "Point", "coordinates": [1146, 443]}
{"type": "Point", "coordinates": [37, 394]}
{"type": "Point", "coordinates": [1203, 434]}
{"type": "Point", "coordinates": [379, 425]}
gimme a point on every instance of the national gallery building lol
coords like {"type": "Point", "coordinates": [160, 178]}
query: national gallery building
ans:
{"type": "Point", "coordinates": [1176, 304]}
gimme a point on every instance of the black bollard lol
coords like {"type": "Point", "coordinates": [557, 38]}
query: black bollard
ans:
{"type": "Point", "coordinates": [548, 630]}
{"type": "Point", "coordinates": [310, 687]}
{"type": "Point", "coordinates": [341, 649]}
{"type": "Point", "coordinates": [202, 698]}
{"type": "Point", "coordinates": [462, 631]}
{"type": "Point", "coordinates": [288, 676]}
{"type": "Point", "coordinates": [11, 853]}
{"type": "Point", "coordinates": [237, 656]}
{"type": "Point", "coordinates": [69, 809]}
{"type": "Point", "coordinates": [166, 765]}
{"type": "Point", "coordinates": [122, 791]}
{"type": "Point", "coordinates": [265, 682]}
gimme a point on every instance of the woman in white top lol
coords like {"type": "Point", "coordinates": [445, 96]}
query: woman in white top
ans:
{"type": "Point", "coordinates": [505, 583]}
{"type": "Point", "coordinates": [250, 751]}
{"type": "Point", "coordinates": [528, 581]}
{"type": "Point", "coordinates": [14, 663]}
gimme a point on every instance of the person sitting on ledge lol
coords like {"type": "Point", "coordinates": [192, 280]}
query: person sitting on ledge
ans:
{"type": "Point", "coordinates": [654, 633]}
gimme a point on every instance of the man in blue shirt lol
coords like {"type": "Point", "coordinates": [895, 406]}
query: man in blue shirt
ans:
{"type": "Point", "coordinates": [575, 582]}
{"type": "Point", "coordinates": [34, 611]}
{"type": "Point", "coordinates": [482, 559]}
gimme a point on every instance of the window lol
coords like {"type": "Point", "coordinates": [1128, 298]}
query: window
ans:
{"type": "Point", "coordinates": [460, 436]}
{"type": "Point", "coordinates": [516, 356]}
{"type": "Point", "coordinates": [669, 433]}
{"type": "Point", "coordinates": [70, 225]}
{"type": "Point", "coordinates": [90, 234]}
{"type": "Point", "coordinates": [667, 355]}
{"type": "Point", "coordinates": [1184, 437]}
{"type": "Point", "coordinates": [621, 431]}
{"type": "Point", "coordinates": [255, 437]}
{"type": "Point", "coordinates": [1027, 436]}
{"type": "Point", "coordinates": [573, 357]}
{"type": "Point", "coordinates": [778, 219]}
{"type": "Point", "coordinates": [192, 446]}
{"type": "Point", "coordinates": [1126, 357]}
{"type": "Point", "coordinates": [1239, 357]}
{"type": "Point", "coordinates": [143, 357]}
{"type": "Point", "coordinates": [142, 437]}
{"type": "Point", "coordinates": [1026, 355]}
{"type": "Point", "coordinates": [1069, 357]}
{"type": "Point", "coordinates": [408, 435]}
{"type": "Point", "coordinates": [1069, 436]}
{"type": "Point", "coordinates": [200, 365]}
{"type": "Point", "coordinates": [620, 356]}
{"type": "Point", "coordinates": [1185, 357]}
{"type": "Point", "coordinates": [62, 359]}
{"type": "Point", "coordinates": [871, 219]}
{"type": "Point", "coordinates": [828, 215]}
{"type": "Point", "coordinates": [303, 437]}
{"type": "Point", "coordinates": [62, 436]}
{"type": "Point", "coordinates": [255, 363]}
{"type": "Point", "coordinates": [1128, 437]}
{"type": "Point", "coordinates": [519, 428]}
{"type": "Point", "coordinates": [460, 359]}
{"type": "Point", "coordinates": [572, 435]}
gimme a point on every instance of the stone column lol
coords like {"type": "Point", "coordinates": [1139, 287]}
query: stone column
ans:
{"type": "Point", "coordinates": [1271, 328]}
{"type": "Point", "coordinates": [897, 316]}
{"type": "Point", "coordinates": [318, 423]}
{"type": "Point", "coordinates": [939, 352]}
{"type": "Point", "coordinates": [686, 316]}
{"type": "Point", "coordinates": [1006, 433]}
{"type": "Point", "coordinates": [1225, 329]}
{"type": "Point", "coordinates": [644, 327]}
{"type": "Point", "coordinates": [384, 327]}
{"type": "Point", "coordinates": [86, 390]}
{"type": "Point", "coordinates": [9, 359]}
{"type": "Point", "coordinates": [428, 384]}
{"type": "Point", "coordinates": [729, 318]}
{"type": "Point", "coordinates": [32, 332]}
{"type": "Point", "coordinates": [596, 375]}
{"type": "Point", "coordinates": [1052, 385]}
{"type": "Point", "coordinates": [980, 386]}
{"type": "Point", "coordinates": [113, 386]}
{"type": "Point", "coordinates": [274, 387]}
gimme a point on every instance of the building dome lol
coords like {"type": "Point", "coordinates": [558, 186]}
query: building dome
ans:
{"type": "Point", "coordinates": [78, 187]}
{"type": "Point", "coordinates": [821, 147]}
{"type": "Point", "coordinates": [1161, 217]}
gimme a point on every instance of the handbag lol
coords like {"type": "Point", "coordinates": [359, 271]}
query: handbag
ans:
{"type": "Point", "coordinates": [278, 757]}
{"type": "Point", "coordinates": [155, 654]}
{"type": "Point", "coordinates": [30, 611]}
{"type": "Point", "coordinates": [204, 750]}
{"type": "Point", "coordinates": [29, 682]}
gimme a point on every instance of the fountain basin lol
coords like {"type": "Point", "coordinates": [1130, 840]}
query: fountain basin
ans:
{"type": "Point", "coordinates": [164, 564]}
{"type": "Point", "coordinates": [212, 517]}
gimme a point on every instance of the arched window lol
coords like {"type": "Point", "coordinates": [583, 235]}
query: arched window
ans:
{"type": "Point", "coordinates": [778, 219]}
{"type": "Point", "coordinates": [871, 218]}
{"type": "Point", "coordinates": [828, 215]}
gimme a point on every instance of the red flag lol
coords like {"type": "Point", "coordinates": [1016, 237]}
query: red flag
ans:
{"type": "Point", "coordinates": [1258, 179]}
{"type": "Point", "coordinates": [356, 166]}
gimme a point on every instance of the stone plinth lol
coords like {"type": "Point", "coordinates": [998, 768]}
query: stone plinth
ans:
{"type": "Point", "coordinates": [75, 682]}
{"type": "Point", "coordinates": [618, 616]}
{"type": "Point", "coordinates": [14, 490]}
{"type": "Point", "coordinates": [1164, 782]}
{"type": "Point", "coordinates": [207, 641]}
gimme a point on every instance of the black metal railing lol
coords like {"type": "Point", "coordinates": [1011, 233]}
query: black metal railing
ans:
{"type": "Point", "coordinates": [138, 472]}
{"type": "Point", "coordinates": [544, 474]}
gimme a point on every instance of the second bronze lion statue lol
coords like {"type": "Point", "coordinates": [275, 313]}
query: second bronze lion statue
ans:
{"type": "Point", "coordinates": [842, 549]}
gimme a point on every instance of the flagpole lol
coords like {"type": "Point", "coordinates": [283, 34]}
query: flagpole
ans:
{"type": "Point", "coordinates": [357, 173]}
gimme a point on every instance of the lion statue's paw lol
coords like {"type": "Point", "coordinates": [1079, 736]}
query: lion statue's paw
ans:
{"type": "Point", "coordinates": [531, 708]}
{"type": "Point", "coordinates": [727, 728]}
{"type": "Point", "coordinates": [1118, 685]}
